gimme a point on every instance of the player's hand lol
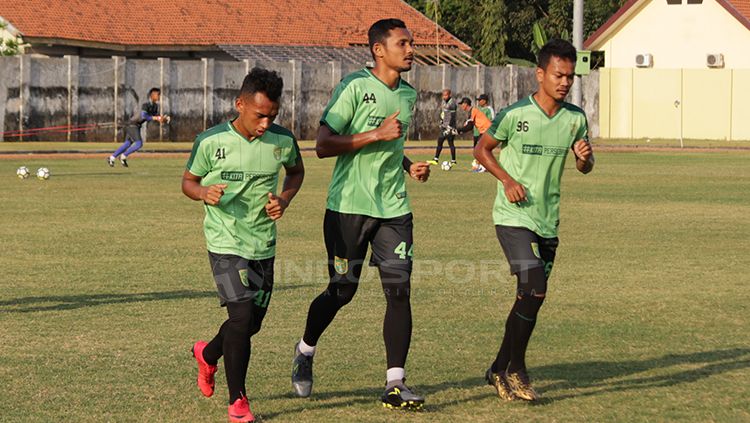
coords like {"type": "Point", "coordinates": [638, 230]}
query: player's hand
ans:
{"type": "Point", "coordinates": [390, 129]}
{"type": "Point", "coordinates": [514, 192]}
{"type": "Point", "coordinates": [211, 194]}
{"type": "Point", "coordinates": [419, 171]}
{"type": "Point", "coordinates": [582, 150]}
{"type": "Point", "coordinates": [275, 206]}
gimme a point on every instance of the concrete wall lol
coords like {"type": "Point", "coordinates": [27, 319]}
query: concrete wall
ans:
{"type": "Point", "coordinates": [98, 95]}
{"type": "Point", "coordinates": [674, 103]}
{"type": "Point", "coordinates": [679, 36]}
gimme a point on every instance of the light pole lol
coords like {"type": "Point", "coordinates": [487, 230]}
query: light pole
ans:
{"type": "Point", "coordinates": [578, 44]}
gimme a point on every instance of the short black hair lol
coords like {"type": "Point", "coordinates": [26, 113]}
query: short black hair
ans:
{"type": "Point", "coordinates": [153, 90]}
{"type": "Point", "coordinates": [378, 32]}
{"type": "Point", "coordinates": [264, 81]}
{"type": "Point", "coordinates": [556, 48]}
{"type": "Point", "coordinates": [466, 100]}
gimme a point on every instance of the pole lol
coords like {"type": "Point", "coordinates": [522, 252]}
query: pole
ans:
{"type": "Point", "coordinates": [578, 44]}
{"type": "Point", "coordinates": [437, 30]}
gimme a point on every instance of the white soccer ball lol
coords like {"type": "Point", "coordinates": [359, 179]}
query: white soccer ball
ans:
{"type": "Point", "coordinates": [445, 165]}
{"type": "Point", "coordinates": [42, 173]}
{"type": "Point", "coordinates": [23, 172]}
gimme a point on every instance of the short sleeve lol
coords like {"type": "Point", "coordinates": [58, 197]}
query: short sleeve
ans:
{"type": "Point", "coordinates": [293, 157]}
{"type": "Point", "coordinates": [583, 130]}
{"type": "Point", "coordinates": [198, 164]}
{"type": "Point", "coordinates": [500, 127]}
{"type": "Point", "coordinates": [340, 110]}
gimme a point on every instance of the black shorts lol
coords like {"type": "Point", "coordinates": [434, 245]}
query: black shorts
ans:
{"type": "Point", "coordinates": [347, 237]}
{"type": "Point", "coordinates": [240, 280]}
{"type": "Point", "coordinates": [133, 133]}
{"type": "Point", "coordinates": [526, 250]}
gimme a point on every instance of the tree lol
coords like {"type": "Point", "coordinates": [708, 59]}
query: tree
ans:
{"type": "Point", "coordinates": [9, 46]}
{"type": "Point", "coordinates": [494, 34]}
{"type": "Point", "coordinates": [499, 30]}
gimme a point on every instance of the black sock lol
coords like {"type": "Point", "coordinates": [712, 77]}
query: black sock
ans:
{"type": "Point", "coordinates": [503, 355]}
{"type": "Point", "coordinates": [526, 312]}
{"type": "Point", "coordinates": [439, 148]}
{"type": "Point", "coordinates": [324, 308]}
{"type": "Point", "coordinates": [233, 342]}
{"type": "Point", "coordinates": [397, 324]}
{"type": "Point", "coordinates": [215, 348]}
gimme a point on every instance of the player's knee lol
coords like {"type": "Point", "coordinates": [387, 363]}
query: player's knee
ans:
{"type": "Point", "coordinates": [528, 306]}
{"type": "Point", "coordinates": [241, 319]}
{"type": "Point", "coordinates": [532, 283]}
{"type": "Point", "coordinates": [343, 293]}
{"type": "Point", "coordinates": [397, 294]}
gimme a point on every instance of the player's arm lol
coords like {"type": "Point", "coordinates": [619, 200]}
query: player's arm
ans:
{"type": "Point", "coordinates": [468, 126]}
{"type": "Point", "coordinates": [192, 188]}
{"type": "Point", "coordinates": [419, 171]}
{"type": "Point", "coordinates": [584, 156]}
{"type": "Point", "coordinates": [514, 191]}
{"type": "Point", "coordinates": [277, 204]}
{"type": "Point", "coordinates": [330, 144]}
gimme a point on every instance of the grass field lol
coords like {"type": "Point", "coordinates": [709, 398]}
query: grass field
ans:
{"type": "Point", "coordinates": [106, 284]}
{"type": "Point", "coordinates": [154, 146]}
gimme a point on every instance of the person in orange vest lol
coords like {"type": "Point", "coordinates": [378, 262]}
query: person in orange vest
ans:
{"type": "Point", "coordinates": [477, 119]}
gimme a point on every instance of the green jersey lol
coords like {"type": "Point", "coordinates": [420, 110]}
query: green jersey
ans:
{"type": "Point", "coordinates": [487, 112]}
{"type": "Point", "coordinates": [369, 181]}
{"type": "Point", "coordinates": [534, 148]}
{"type": "Point", "coordinates": [239, 225]}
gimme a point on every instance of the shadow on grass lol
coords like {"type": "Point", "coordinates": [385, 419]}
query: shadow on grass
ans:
{"type": "Point", "coordinates": [72, 302]}
{"type": "Point", "coordinates": [594, 377]}
{"type": "Point", "coordinates": [587, 378]}
{"type": "Point", "coordinates": [371, 395]}
{"type": "Point", "coordinates": [113, 173]}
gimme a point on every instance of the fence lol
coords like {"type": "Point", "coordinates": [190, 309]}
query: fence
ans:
{"type": "Point", "coordinates": [94, 96]}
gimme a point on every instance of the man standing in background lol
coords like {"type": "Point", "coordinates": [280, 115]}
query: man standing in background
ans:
{"type": "Point", "coordinates": [447, 128]}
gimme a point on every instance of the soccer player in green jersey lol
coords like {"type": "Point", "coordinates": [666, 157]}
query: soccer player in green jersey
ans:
{"type": "Point", "coordinates": [364, 126]}
{"type": "Point", "coordinates": [535, 135]}
{"type": "Point", "coordinates": [234, 169]}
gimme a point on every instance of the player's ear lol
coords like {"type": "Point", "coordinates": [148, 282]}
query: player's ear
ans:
{"type": "Point", "coordinates": [239, 104]}
{"type": "Point", "coordinates": [539, 74]}
{"type": "Point", "coordinates": [377, 49]}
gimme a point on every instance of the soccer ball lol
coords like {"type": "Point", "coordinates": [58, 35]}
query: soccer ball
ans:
{"type": "Point", "coordinates": [23, 172]}
{"type": "Point", "coordinates": [42, 173]}
{"type": "Point", "coordinates": [445, 165]}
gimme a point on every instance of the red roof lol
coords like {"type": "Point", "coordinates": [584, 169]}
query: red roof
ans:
{"type": "Point", "coordinates": [740, 9]}
{"type": "Point", "coordinates": [334, 23]}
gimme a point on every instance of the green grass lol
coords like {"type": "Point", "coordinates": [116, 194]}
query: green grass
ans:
{"type": "Point", "coordinates": [106, 284]}
{"type": "Point", "coordinates": [6, 147]}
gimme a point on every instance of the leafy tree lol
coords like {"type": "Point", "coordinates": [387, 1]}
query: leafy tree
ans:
{"type": "Point", "coordinates": [494, 33]}
{"type": "Point", "coordinates": [10, 46]}
{"type": "Point", "coordinates": [499, 30]}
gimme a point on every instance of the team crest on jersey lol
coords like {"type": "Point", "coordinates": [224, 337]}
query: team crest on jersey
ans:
{"type": "Point", "coordinates": [243, 278]}
{"type": "Point", "coordinates": [341, 265]}
{"type": "Point", "coordinates": [535, 250]}
{"type": "Point", "coordinates": [277, 153]}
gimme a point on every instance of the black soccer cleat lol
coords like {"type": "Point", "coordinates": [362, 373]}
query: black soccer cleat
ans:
{"type": "Point", "coordinates": [400, 397]}
{"type": "Point", "coordinates": [500, 383]}
{"type": "Point", "coordinates": [302, 373]}
{"type": "Point", "coordinates": [124, 161]}
{"type": "Point", "coordinates": [111, 161]}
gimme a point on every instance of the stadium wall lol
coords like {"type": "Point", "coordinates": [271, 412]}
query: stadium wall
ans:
{"type": "Point", "coordinates": [674, 103]}
{"type": "Point", "coordinates": [94, 96]}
